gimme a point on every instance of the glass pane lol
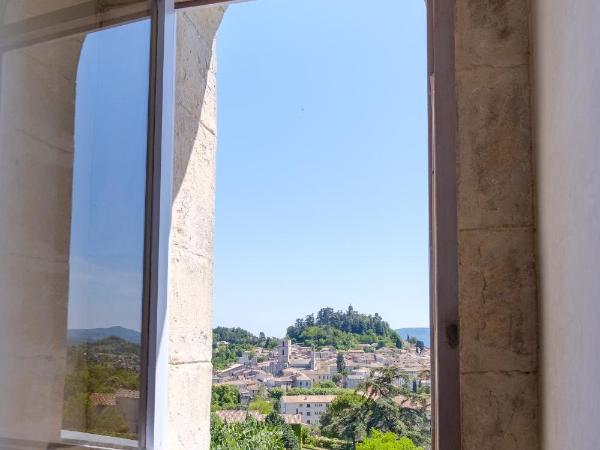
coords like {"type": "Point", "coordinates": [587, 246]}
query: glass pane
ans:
{"type": "Point", "coordinates": [73, 147]}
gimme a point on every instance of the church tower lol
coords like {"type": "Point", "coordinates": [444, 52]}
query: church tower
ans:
{"type": "Point", "coordinates": [313, 360]}
{"type": "Point", "coordinates": [285, 350]}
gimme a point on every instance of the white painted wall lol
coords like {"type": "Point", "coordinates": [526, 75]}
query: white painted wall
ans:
{"type": "Point", "coordinates": [566, 57]}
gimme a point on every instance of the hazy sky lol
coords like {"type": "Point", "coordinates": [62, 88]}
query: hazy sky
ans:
{"type": "Point", "coordinates": [322, 162]}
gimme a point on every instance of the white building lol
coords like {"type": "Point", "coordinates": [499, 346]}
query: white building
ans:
{"type": "Point", "coordinates": [300, 380]}
{"type": "Point", "coordinates": [309, 407]}
{"type": "Point", "coordinates": [353, 381]}
{"type": "Point", "coordinates": [319, 376]}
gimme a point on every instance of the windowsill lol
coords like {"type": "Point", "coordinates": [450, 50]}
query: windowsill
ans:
{"type": "Point", "coordinates": [97, 440]}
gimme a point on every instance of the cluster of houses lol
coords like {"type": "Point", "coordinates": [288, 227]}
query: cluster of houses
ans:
{"type": "Point", "coordinates": [292, 366]}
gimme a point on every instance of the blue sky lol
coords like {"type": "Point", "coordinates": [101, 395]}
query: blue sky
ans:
{"type": "Point", "coordinates": [322, 162]}
{"type": "Point", "coordinates": [107, 224]}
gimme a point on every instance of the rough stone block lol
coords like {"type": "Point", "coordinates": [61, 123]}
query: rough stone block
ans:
{"type": "Point", "coordinates": [498, 307]}
{"type": "Point", "coordinates": [499, 411]}
{"type": "Point", "coordinates": [492, 33]}
{"type": "Point", "coordinates": [495, 168]}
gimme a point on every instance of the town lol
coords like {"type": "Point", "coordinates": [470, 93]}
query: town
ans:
{"type": "Point", "coordinates": [299, 371]}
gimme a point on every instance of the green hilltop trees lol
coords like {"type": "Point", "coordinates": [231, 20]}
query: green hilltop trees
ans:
{"type": "Point", "coordinates": [343, 330]}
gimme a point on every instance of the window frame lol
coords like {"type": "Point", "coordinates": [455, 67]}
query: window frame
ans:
{"type": "Point", "coordinates": [443, 226]}
{"type": "Point", "coordinates": [443, 221]}
{"type": "Point", "coordinates": [161, 120]}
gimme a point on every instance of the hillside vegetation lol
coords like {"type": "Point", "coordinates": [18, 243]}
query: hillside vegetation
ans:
{"type": "Point", "coordinates": [343, 330]}
{"type": "Point", "coordinates": [237, 342]}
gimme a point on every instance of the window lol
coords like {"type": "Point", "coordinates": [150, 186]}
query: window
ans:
{"type": "Point", "coordinates": [75, 116]}
{"type": "Point", "coordinates": [338, 218]}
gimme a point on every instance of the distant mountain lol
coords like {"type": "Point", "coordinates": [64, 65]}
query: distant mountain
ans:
{"type": "Point", "coordinates": [79, 336]}
{"type": "Point", "coordinates": [421, 334]}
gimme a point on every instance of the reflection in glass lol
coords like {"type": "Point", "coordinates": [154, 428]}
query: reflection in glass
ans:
{"type": "Point", "coordinates": [73, 146]}
{"type": "Point", "coordinates": [106, 251]}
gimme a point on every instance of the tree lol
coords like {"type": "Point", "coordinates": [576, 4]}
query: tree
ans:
{"type": "Point", "coordinates": [225, 397]}
{"type": "Point", "coordinates": [325, 385]}
{"type": "Point", "coordinates": [342, 329]}
{"type": "Point", "coordinates": [337, 379]}
{"type": "Point", "coordinates": [343, 419]}
{"type": "Point", "coordinates": [261, 405]}
{"type": "Point", "coordinates": [382, 382]}
{"type": "Point", "coordinates": [110, 421]}
{"type": "Point", "coordinates": [398, 341]}
{"type": "Point", "coordinates": [420, 346]}
{"type": "Point", "coordinates": [290, 439]}
{"type": "Point", "coordinates": [76, 408]}
{"type": "Point", "coordinates": [276, 393]}
{"type": "Point", "coordinates": [246, 435]}
{"type": "Point", "coordinates": [386, 441]}
{"type": "Point", "coordinates": [351, 418]}
{"type": "Point", "coordinates": [341, 363]}
{"type": "Point", "coordinates": [309, 321]}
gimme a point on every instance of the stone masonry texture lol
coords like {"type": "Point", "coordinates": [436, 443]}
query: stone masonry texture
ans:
{"type": "Point", "coordinates": [497, 266]}
{"type": "Point", "coordinates": [190, 250]}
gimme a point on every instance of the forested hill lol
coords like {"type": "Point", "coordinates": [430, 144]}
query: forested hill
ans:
{"type": "Point", "coordinates": [342, 330]}
{"type": "Point", "coordinates": [238, 341]}
{"type": "Point", "coordinates": [239, 336]}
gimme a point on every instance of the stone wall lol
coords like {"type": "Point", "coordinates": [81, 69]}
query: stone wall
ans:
{"type": "Point", "coordinates": [191, 255]}
{"type": "Point", "coordinates": [497, 264]}
{"type": "Point", "coordinates": [496, 226]}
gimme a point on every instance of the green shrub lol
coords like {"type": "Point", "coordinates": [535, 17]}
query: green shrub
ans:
{"type": "Point", "coordinates": [248, 435]}
{"type": "Point", "coordinates": [386, 441]}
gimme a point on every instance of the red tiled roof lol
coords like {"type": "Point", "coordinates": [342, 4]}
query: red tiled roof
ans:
{"type": "Point", "coordinates": [97, 399]}
{"type": "Point", "coordinates": [236, 416]}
